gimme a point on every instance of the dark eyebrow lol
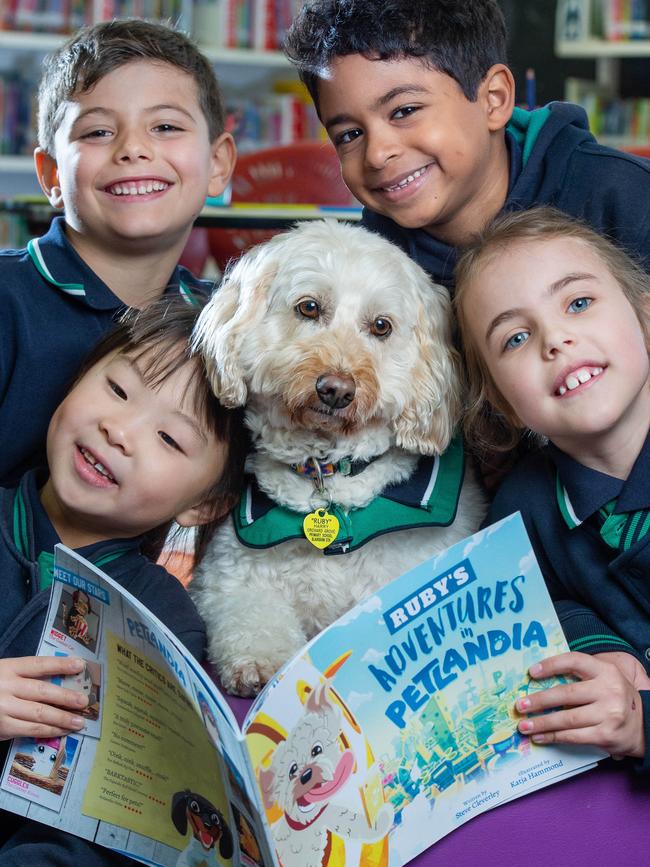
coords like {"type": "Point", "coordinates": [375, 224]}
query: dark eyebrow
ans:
{"type": "Point", "coordinates": [171, 107]}
{"type": "Point", "coordinates": [552, 289]}
{"type": "Point", "coordinates": [380, 102]}
{"type": "Point", "coordinates": [98, 109]}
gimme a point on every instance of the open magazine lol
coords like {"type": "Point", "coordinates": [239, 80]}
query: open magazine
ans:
{"type": "Point", "coordinates": [390, 729]}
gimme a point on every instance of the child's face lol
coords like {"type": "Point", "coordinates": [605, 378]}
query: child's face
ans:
{"type": "Point", "coordinates": [562, 343]}
{"type": "Point", "coordinates": [413, 147]}
{"type": "Point", "coordinates": [125, 457]}
{"type": "Point", "coordinates": [134, 161]}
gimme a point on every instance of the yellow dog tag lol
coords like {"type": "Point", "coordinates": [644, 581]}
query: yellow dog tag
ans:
{"type": "Point", "coordinates": [321, 528]}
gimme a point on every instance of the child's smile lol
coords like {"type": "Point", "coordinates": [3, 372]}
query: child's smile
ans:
{"type": "Point", "coordinates": [575, 379]}
{"type": "Point", "coordinates": [563, 345]}
{"type": "Point", "coordinates": [130, 187]}
{"type": "Point", "coordinates": [406, 184]}
{"type": "Point", "coordinates": [413, 147]}
{"type": "Point", "coordinates": [126, 456]}
{"type": "Point", "coordinates": [91, 469]}
{"type": "Point", "coordinates": [137, 139]}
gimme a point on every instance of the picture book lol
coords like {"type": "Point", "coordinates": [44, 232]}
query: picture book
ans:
{"type": "Point", "coordinates": [390, 729]}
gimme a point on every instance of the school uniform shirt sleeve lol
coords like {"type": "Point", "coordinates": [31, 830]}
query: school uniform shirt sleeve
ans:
{"type": "Point", "coordinates": [165, 596]}
{"type": "Point", "coordinates": [27, 843]}
{"type": "Point", "coordinates": [53, 311]}
{"type": "Point", "coordinates": [529, 489]}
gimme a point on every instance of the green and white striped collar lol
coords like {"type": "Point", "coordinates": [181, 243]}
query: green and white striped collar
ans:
{"type": "Point", "coordinates": [581, 492]}
{"type": "Point", "coordinates": [36, 255]}
{"type": "Point", "coordinates": [60, 265]}
{"type": "Point", "coordinates": [565, 505]}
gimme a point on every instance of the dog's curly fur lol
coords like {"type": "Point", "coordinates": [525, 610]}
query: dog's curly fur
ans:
{"type": "Point", "coordinates": [266, 345]}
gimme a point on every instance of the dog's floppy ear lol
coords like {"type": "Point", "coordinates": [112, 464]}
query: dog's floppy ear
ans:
{"type": "Point", "coordinates": [179, 811]}
{"type": "Point", "coordinates": [267, 785]}
{"type": "Point", "coordinates": [226, 845]}
{"type": "Point", "coordinates": [227, 321]}
{"type": "Point", "coordinates": [433, 408]}
{"type": "Point", "coordinates": [318, 698]}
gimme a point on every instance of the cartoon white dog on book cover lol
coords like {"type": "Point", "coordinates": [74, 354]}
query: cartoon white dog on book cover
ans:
{"type": "Point", "coordinates": [397, 724]}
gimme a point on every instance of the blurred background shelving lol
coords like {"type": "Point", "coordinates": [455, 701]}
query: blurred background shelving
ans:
{"type": "Point", "coordinates": [593, 52]}
{"type": "Point", "coordinates": [266, 104]}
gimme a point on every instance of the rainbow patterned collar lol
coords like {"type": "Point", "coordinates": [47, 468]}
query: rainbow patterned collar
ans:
{"type": "Point", "coordinates": [314, 469]}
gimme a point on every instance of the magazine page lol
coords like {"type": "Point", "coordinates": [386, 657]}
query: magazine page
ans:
{"type": "Point", "coordinates": [397, 724]}
{"type": "Point", "coordinates": [159, 772]}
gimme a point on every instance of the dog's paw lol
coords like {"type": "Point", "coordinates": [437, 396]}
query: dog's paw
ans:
{"type": "Point", "coordinates": [246, 679]}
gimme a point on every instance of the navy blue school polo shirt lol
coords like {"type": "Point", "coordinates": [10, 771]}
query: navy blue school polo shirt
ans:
{"type": "Point", "coordinates": [27, 537]}
{"type": "Point", "coordinates": [25, 532]}
{"type": "Point", "coordinates": [53, 310]}
{"type": "Point", "coordinates": [602, 595]}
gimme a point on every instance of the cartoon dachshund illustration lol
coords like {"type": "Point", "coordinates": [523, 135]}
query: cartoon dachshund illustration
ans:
{"type": "Point", "coordinates": [208, 828]}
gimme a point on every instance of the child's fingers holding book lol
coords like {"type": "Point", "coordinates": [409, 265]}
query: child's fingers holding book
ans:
{"type": "Point", "coordinates": [32, 707]}
{"type": "Point", "coordinates": [602, 708]}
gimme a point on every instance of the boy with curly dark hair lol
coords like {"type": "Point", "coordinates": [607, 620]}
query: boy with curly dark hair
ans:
{"type": "Point", "coordinates": [418, 100]}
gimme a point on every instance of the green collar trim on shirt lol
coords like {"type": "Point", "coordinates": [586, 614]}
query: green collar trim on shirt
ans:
{"type": "Point", "coordinates": [34, 250]}
{"type": "Point", "coordinates": [45, 559]}
{"type": "Point", "coordinates": [565, 506]}
{"type": "Point", "coordinates": [620, 530]}
{"type": "Point", "coordinates": [260, 523]}
{"type": "Point", "coordinates": [525, 127]}
{"type": "Point", "coordinates": [77, 289]}
{"type": "Point", "coordinates": [187, 295]}
{"type": "Point", "coordinates": [20, 524]}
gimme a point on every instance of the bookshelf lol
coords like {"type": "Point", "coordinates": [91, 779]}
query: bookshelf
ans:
{"type": "Point", "coordinates": [261, 86]}
{"type": "Point", "coordinates": [607, 32]}
{"type": "Point", "coordinates": [607, 55]}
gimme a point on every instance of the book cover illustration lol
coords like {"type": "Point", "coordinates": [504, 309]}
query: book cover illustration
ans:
{"type": "Point", "coordinates": [397, 723]}
{"type": "Point", "coordinates": [389, 730]}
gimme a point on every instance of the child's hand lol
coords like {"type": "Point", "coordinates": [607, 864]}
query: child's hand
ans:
{"type": "Point", "coordinates": [33, 708]}
{"type": "Point", "coordinates": [629, 666]}
{"type": "Point", "coordinates": [603, 708]}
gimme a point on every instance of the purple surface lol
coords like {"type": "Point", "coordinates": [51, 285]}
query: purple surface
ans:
{"type": "Point", "coordinates": [598, 819]}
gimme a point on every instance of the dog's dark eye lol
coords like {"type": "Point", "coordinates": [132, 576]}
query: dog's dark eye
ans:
{"type": "Point", "coordinates": [308, 308]}
{"type": "Point", "coordinates": [214, 818]}
{"type": "Point", "coordinates": [293, 770]}
{"type": "Point", "coordinates": [194, 807]}
{"type": "Point", "coordinates": [316, 750]}
{"type": "Point", "coordinates": [381, 327]}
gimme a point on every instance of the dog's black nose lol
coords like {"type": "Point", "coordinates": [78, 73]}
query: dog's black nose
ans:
{"type": "Point", "coordinates": [305, 777]}
{"type": "Point", "coordinates": [336, 391]}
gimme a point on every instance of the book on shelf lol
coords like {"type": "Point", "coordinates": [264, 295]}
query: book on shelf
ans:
{"type": "Point", "coordinates": [612, 20]}
{"type": "Point", "coordinates": [573, 20]}
{"type": "Point", "coordinates": [389, 730]}
{"type": "Point", "coordinates": [625, 19]}
{"type": "Point", "coordinates": [245, 24]}
{"type": "Point", "coordinates": [265, 29]}
{"type": "Point", "coordinates": [625, 120]}
{"type": "Point", "coordinates": [284, 116]}
{"type": "Point", "coordinates": [66, 16]}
